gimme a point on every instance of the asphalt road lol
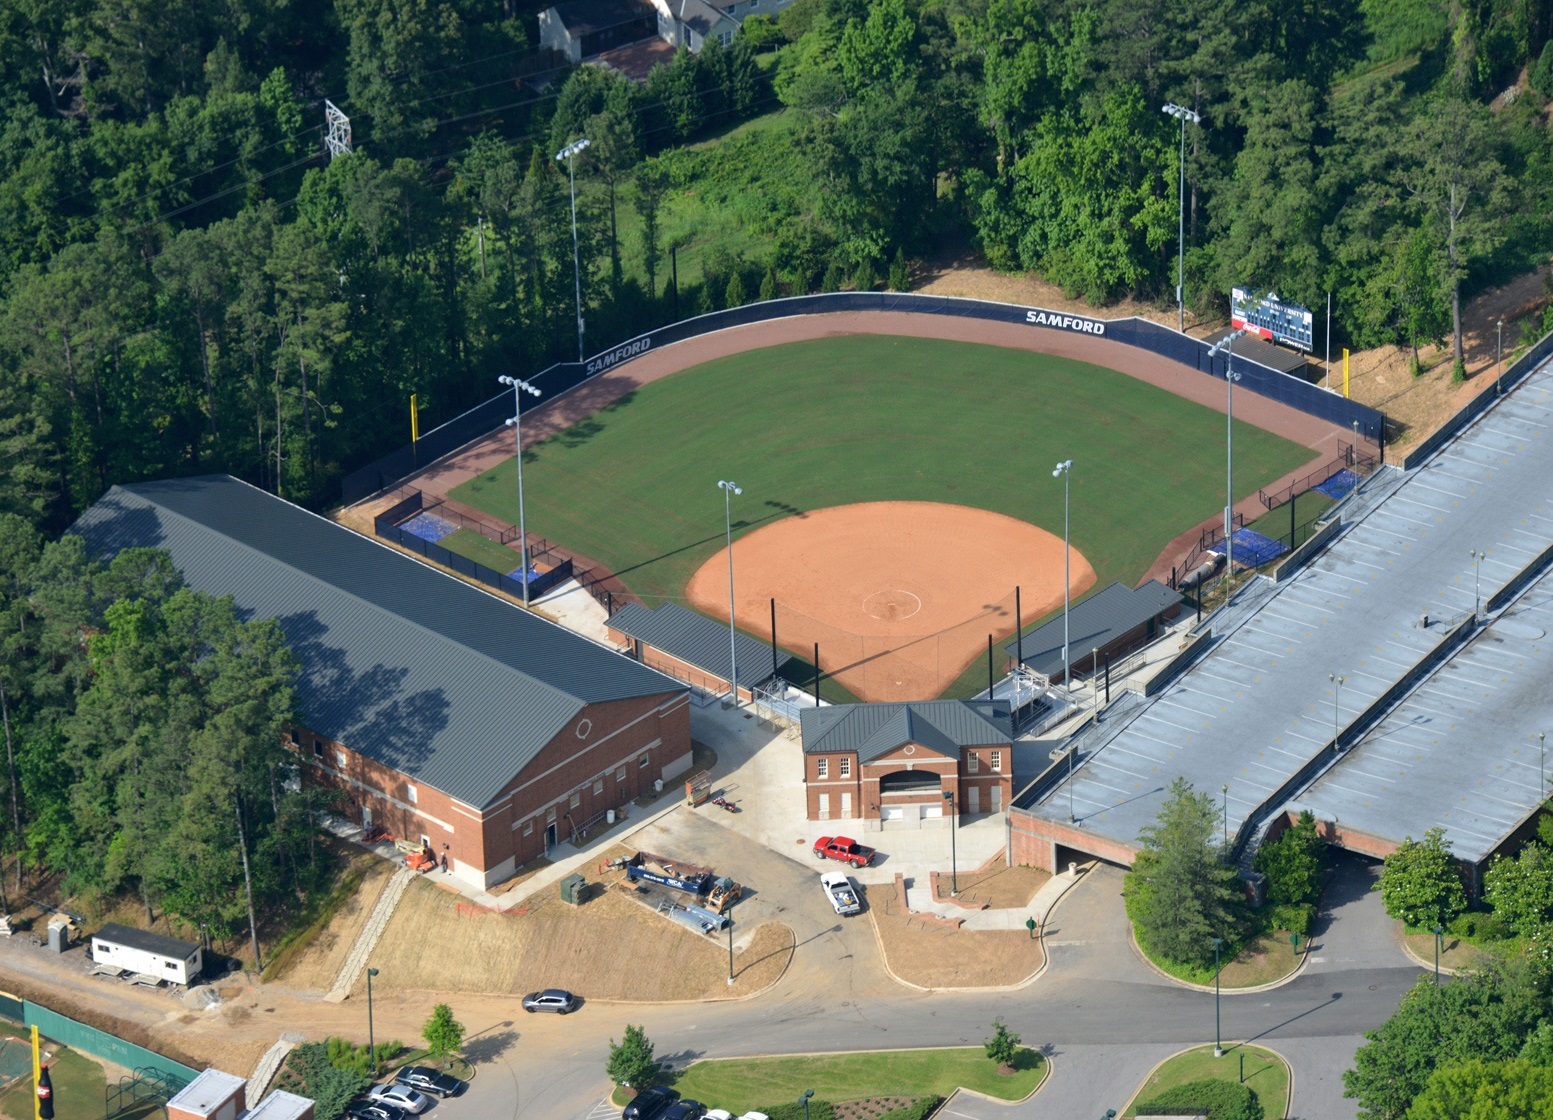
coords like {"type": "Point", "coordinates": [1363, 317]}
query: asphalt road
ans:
{"type": "Point", "coordinates": [1102, 1016]}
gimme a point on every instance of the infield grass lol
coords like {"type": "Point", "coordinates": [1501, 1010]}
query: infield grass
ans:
{"type": "Point", "coordinates": [879, 418]}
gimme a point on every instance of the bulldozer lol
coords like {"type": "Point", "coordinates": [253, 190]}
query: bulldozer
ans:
{"type": "Point", "coordinates": [723, 894]}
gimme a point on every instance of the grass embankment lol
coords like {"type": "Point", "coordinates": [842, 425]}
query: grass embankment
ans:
{"type": "Point", "coordinates": [883, 419]}
{"type": "Point", "coordinates": [740, 1085]}
{"type": "Point", "coordinates": [1266, 1073]}
{"type": "Point", "coordinates": [1262, 960]}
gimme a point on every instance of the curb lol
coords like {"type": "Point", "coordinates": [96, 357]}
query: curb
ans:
{"type": "Point", "coordinates": [743, 997]}
{"type": "Point", "coordinates": [1288, 1104]}
{"type": "Point", "coordinates": [1051, 1068]}
{"type": "Point", "coordinates": [1427, 966]}
{"type": "Point", "coordinates": [1294, 973]}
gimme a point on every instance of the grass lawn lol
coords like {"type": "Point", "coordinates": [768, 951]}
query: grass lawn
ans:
{"type": "Point", "coordinates": [483, 550]}
{"type": "Point", "coordinates": [78, 1091]}
{"type": "Point", "coordinates": [740, 1085]}
{"type": "Point", "coordinates": [1307, 507]}
{"type": "Point", "coordinates": [874, 418]}
{"type": "Point", "coordinates": [1270, 957]}
{"type": "Point", "coordinates": [1266, 1073]}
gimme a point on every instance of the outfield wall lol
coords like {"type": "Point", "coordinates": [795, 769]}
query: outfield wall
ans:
{"type": "Point", "coordinates": [1131, 331]}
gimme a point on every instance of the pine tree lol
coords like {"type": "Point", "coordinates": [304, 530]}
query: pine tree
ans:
{"type": "Point", "coordinates": [900, 272]}
{"type": "Point", "coordinates": [768, 285]}
{"type": "Point", "coordinates": [735, 297]}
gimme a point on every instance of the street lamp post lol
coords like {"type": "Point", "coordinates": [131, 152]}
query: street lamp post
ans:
{"type": "Point", "coordinates": [804, 1100]}
{"type": "Point", "coordinates": [1182, 114]}
{"type": "Point", "coordinates": [1227, 346]}
{"type": "Point", "coordinates": [1499, 351]}
{"type": "Point", "coordinates": [1542, 765]}
{"type": "Point", "coordinates": [729, 490]}
{"type": "Point", "coordinates": [570, 154]}
{"type": "Point", "coordinates": [1226, 814]}
{"type": "Point", "coordinates": [954, 859]}
{"type": "Point", "coordinates": [371, 1041]}
{"type": "Point", "coordinates": [1063, 471]}
{"type": "Point", "coordinates": [1337, 688]}
{"type": "Point", "coordinates": [1439, 936]}
{"type": "Point", "coordinates": [1094, 678]}
{"type": "Point", "coordinates": [1477, 586]}
{"type": "Point", "coordinates": [730, 950]}
{"type": "Point", "coordinates": [1218, 1033]}
{"type": "Point", "coordinates": [519, 387]}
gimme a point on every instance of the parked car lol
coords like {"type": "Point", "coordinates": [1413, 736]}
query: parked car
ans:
{"type": "Point", "coordinates": [558, 1000]}
{"type": "Point", "coordinates": [372, 1110]}
{"type": "Point", "coordinates": [754, 1116]}
{"type": "Point", "coordinates": [717, 1114]}
{"type": "Point", "coordinates": [428, 1080]}
{"type": "Point", "coordinates": [647, 1104]}
{"type": "Point", "coordinates": [845, 849]}
{"type": "Point", "coordinates": [402, 1097]}
{"type": "Point", "coordinates": [684, 1110]}
{"type": "Point", "coordinates": [840, 892]}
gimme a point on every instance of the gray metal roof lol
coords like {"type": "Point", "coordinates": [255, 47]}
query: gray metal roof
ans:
{"type": "Point", "coordinates": [698, 640]}
{"type": "Point", "coordinates": [1263, 353]}
{"type": "Point", "coordinates": [147, 941]}
{"type": "Point", "coordinates": [873, 730]}
{"type": "Point", "coordinates": [584, 17]}
{"type": "Point", "coordinates": [400, 662]}
{"type": "Point", "coordinates": [1094, 623]}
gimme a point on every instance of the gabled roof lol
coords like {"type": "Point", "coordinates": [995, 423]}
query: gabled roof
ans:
{"type": "Point", "coordinates": [404, 664]}
{"type": "Point", "coordinates": [584, 17]}
{"type": "Point", "coordinates": [697, 15]}
{"type": "Point", "coordinates": [697, 640]}
{"type": "Point", "coordinates": [147, 941]}
{"type": "Point", "coordinates": [874, 730]}
{"type": "Point", "coordinates": [1093, 624]}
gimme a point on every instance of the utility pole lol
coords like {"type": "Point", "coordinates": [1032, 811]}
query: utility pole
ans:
{"type": "Point", "coordinates": [337, 138]}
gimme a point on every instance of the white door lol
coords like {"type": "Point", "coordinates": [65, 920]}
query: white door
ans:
{"type": "Point", "coordinates": [932, 812]}
{"type": "Point", "coordinates": [973, 800]}
{"type": "Point", "coordinates": [997, 799]}
{"type": "Point", "coordinates": [892, 813]}
{"type": "Point", "coordinates": [846, 806]}
{"type": "Point", "coordinates": [824, 806]}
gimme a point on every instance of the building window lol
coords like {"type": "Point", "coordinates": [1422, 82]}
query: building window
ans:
{"type": "Point", "coordinates": [642, 762]}
{"type": "Point", "coordinates": [997, 762]}
{"type": "Point", "coordinates": [550, 815]}
{"type": "Point", "coordinates": [528, 828]}
{"type": "Point", "coordinates": [575, 801]}
{"type": "Point", "coordinates": [598, 787]}
{"type": "Point", "coordinates": [339, 759]}
{"type": "Point", "coordinates": [972, 764]}
{"type": "Point", "coordinates": [620, 775]}
{"type": "Point", "coordinates": [318, 749]}
{"type": "Point", "coordinates": [410, 794]}
{"type": "Point", "coordinates": [822, 768]}
{"type": "Point", "coordinates": [846, 767]}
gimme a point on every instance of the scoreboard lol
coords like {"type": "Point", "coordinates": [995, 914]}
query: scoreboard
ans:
{"type": "Point", "coordinates": [1273, 319]}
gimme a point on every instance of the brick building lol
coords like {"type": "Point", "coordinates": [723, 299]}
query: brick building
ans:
{"type": "Point", "coordinates": [894, 764]}
{"type": "Point", "coordinates": [446, 714]}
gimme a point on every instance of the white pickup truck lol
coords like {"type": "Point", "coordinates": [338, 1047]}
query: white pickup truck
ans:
{"type": "Point", "coordinates": [841, 892]}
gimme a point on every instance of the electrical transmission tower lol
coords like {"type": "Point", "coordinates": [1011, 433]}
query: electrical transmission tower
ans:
{"type": "Point", "coordinates": [338, 138]}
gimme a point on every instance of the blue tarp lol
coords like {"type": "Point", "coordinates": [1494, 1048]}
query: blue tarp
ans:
{"type": "Point", "coordinates": [1339, 484]}
{"type": "Point", "coordinates": [1252, 549]}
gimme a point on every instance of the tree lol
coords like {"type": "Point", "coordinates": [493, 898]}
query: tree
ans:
{"type": "Point", "coordinates": [768, 285]}
{"type": "Point", "coordinates": [1292, 864]}
{"type": "Point", "coordinates": [443, 1034]}
{"type": "Point", "coordinates": [630, 1060]}
{"type": "Point", "coordinates": [735, 295]}
{"type": "Point", "coordinates": [1521, 889]}
{"type": "Point", "coordinates": [1003, 1046]}
{"type": "Point", "coordinates": [652, 183]}
{"type": "Point", "coordinates": [1479, 1090]}
{"type": "Point", "coordinates": [1420, 882]}
{"type": "Point", "coordinates": [1180, 892]}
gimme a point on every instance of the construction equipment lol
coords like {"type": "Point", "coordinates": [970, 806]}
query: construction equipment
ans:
{"type": "Point", "coordinates": [723, 894]}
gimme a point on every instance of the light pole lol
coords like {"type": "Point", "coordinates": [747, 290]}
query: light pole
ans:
{"type": "Point", "coordinates": [1226, 814]}
{"type": "Point", "coordinates": [569, 154]}
{"type": "Point", "coordinates": [1218, 1034]}
{"type": "Point", "coordinates": [1542, 765]}
{"type": "Point", "coordinates": [1227, 346]}
{"type": "Point", "coordinates": [371, 1042]}
{"type": "Point", "coordinates": [1182, 114]}
{"type": "Point", "coordinates": [1337, 688]}
{"type": "Point", "coordinates": [729, 490]}
{"type": "Point", "coordinates": [804, 1100]}
{"type": "Point", "coordinates": [1439, 935]}
{"type": "Point", "coordinates": [1063, 471]}
{"type": "Point", "coordinates": [1477, 594]}
{"type": "Point", "coordinates": [1499, 350]}
{"type": "Point", "coordinates": [519, 387]}
{"type": "Point", "coordinates": [730, 949]}
{"type": "Point", "coordinates": [954, 860]}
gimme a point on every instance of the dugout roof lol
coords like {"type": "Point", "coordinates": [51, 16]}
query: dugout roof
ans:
{"type": "Point", "coordinates": [1263, 353]}
{"type": "Point", "coordinates": [698, 640]}
{"type": "Point", "coordinates": [877, 729]}
{"type": "Point", "coordinates": [1093, 623]}
{"type": "Point", "coordinates": [403, 664]}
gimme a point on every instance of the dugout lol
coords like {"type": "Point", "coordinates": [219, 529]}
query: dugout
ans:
{"type": "Point", "coordinates": [693, 648]}
{"type": "Point", "coordinates": [1254, 349]}
{"type": "Point", "coordinates": [1115, 620]}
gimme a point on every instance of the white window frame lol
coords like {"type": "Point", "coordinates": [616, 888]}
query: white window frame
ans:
{"type": "Point", "coordinates": [620, 775]}
{"type": "Point", "coordinates": [972, 764]}
{"type": "Point", "coordinates": [528, 827]}
{"type": "Point", "coordinates": [822, 769]}
{"type": "Point", "coordinates": [339, 759]}
{"type": "Point", "coordinates": [997, 762]}
{"type": "Point", "coordinates": [845, 770]}
{"type": "Point", "coordinates": [574, 801]}
{"type": "Point", "coordinates": [598, 787]}
{"type": "Point", "coordinates": [410, 793]}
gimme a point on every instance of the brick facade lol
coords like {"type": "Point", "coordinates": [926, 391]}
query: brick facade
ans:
{"type": "Point", "coordinates": [607, 756]}
{"type": "Point", "coordinates": [672, 666]}
{"type": "Point", "coordinates": [838, 787]}
{"type": "Point", "coordinates": [1034, 842]}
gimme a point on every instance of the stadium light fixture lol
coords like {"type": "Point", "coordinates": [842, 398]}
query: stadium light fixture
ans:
{"type": "Point", "coordinates": [1062, 471]}
{"type": "Point", "coordinates": [1477, 586]}
{"type": "Point", "coordinates": [570, 154]}
{"type": "Point", "coordinates": [519, 387]}
{"type": "Point", "coordinates": [1226, 346]}
{"type": "Point", "coordinates": [1337, 691]}
{"type": "Point", "coordinates": [729, 489]}
{"type": "Point", "coordinates": [1182, 114]}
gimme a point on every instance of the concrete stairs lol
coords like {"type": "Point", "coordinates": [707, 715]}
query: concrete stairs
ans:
{"type": "Point", "coordinates": [376, 923]}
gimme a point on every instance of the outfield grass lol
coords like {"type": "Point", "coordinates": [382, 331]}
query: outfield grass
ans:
{"type": "Point", "coordinates": [740, 1085]}
{"type": "Point", "coordinates": [1266, 1073]}
{"type": "Point", "coordinates": [483, 550]}
{"type": "Point", "coordinates": [873, 418]}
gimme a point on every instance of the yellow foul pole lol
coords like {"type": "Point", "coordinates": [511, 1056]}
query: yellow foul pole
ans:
{"type": "Point", "coordinates": [37, 1076]}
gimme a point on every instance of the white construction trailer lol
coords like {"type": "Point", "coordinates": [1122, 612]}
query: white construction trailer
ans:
{"type": "Point", "coordinates": [148, 954]}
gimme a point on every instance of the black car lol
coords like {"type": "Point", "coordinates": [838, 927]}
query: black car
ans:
{"type": "Point", "coordinates": [684, 1110]}
{"type": "Point", "coordinates": [647, 1104]}
{"type": "Point", "coordinates": [372, 1110]}
{"type": "Point", "coordinates": [428, 1080]}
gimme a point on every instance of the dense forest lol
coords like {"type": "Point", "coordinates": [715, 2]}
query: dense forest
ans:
{"type": "Point", "coordinates": [189, 284]}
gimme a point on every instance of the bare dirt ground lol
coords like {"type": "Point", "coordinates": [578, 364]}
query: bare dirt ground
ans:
{"type": "Point", "coordinates": [931, 956]}
{"type": "Point", "coordinates": [997, 887]}
{"type": "Point", "coordinates": [320, 962]}
{"type": "Point", "coordinates": [887, 623]}
{"type": "Point", "coordinates": [438, 941]}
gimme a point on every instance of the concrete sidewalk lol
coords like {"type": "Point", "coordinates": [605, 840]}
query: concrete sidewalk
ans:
{"type": "Point", "coordinates": [1004, 918]}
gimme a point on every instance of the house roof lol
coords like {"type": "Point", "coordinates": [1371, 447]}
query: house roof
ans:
{"type": "Point", "coordinates": [697, 15]}
{"type": "Point", "coordinates": [584, 17]}
{"type": "Point", "coordinates": [873, 730]}
{"type": "Point", "coordinates": [147, 942]}
{"type": "Point", "coordinates": [1093, 624]}
{"type": "Point", "coordinates": [404, 664]}
{"type": "Point", "coordinates": [698, 640]}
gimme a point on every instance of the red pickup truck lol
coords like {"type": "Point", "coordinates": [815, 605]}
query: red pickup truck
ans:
{"type": "Point", "coordinates": [845, 849]}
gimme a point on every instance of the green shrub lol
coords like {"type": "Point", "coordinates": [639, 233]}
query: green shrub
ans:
{"type": "Point", "coordinates": [1221, 1100]}
{"type": "Point", "coordinates": [762, 32]}
{"type": "Point", "coordinates": [1294, 918]}
{"type": "Point", "coordinates": [916, 1110]}
{"type": "Point", "coordinates": [792, 1110]}
{"type": "Point", "coordinates": [1542, 73]}
{"type": "Point", "coordinates": [310, 1071]}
